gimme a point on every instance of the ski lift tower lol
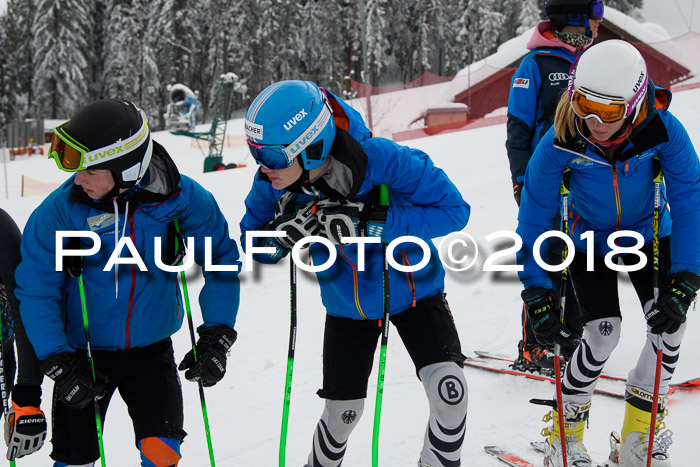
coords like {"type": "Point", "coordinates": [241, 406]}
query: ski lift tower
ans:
{"type": "Point", "coordinates": [228, 83]}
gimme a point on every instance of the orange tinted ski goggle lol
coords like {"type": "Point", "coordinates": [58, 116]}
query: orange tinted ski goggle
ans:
{"type": "Point", "coordinates": [67, 152]}
{"type": "Point", "coordinates": [603, 109]}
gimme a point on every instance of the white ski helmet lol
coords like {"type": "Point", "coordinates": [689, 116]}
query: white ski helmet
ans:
{"type": "Point", "coordinates": [608, 82]}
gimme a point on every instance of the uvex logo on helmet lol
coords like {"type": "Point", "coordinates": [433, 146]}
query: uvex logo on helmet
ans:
{"type": "Point", "coordinates": [640, 80]}
{"type": "Point", "coordinates": [296, 119]}
{"type": "Point", "coordinates": [101, 155]}
{"type": "Point", "coordinates": [305, 139]}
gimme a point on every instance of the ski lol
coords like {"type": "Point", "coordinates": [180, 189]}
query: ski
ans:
{"type": "Point", "coordinates": [487, 355]}
{"type": "Point", "coordinates": [691, 384]}
{"type": "Point", "coordinates": [508, 457]}
{"type": "Point", "coordinates": [607, 388]}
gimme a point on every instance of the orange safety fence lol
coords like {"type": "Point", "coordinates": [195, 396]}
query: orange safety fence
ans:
{"type": "Point", "coordinates": [30, 150]}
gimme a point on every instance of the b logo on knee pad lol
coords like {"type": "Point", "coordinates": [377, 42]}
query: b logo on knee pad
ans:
{"type": "Point", "coordinates": [451, 390]}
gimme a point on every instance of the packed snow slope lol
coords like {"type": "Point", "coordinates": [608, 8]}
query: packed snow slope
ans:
{"type": "Point", "coordinates": [245, 409]}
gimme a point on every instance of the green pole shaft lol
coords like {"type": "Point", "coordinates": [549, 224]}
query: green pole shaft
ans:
{"type": "Point", "coordinates": [205, 416]}
{"type": "Point", "coordinates": [88, 345]}
{"type": "Point", "coordinates": [290, 359]}
{"type": "Point", "coordinates": [383, 201]}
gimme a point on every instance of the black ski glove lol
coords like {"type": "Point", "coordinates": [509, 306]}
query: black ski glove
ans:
{"type": "Point", "coordinates": [340, 219]}
{"type": "Point", "coordinates": [212, 347]}
{"type": "Point", "coordinates": [543, 312]}
{"type": "Point", "coordinates": [517, 191]}
{"type": "Point", "coordinates": [25, 424]}
{"type": "Point", "coordinates": [668, 313]}
{"type": "Point", "coordinates": [297, 224]}
{"type": "Point", "coordinates": [72, 378]}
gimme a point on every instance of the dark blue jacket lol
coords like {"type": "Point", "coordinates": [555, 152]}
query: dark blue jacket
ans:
{"type": "Point", "coordinates": [535, 90]}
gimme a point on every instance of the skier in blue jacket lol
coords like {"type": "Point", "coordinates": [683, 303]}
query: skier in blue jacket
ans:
{"type": "Point", "coordinates": [127, 191]}
{"type": "Point", "coordinates": [535, 90]}
{"type": "Point", "coordinates": [614, 135]}
{"type": "Point", "coordinates": [319, 173]}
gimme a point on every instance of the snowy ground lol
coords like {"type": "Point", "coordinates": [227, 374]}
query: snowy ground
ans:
{"type": "Point", "coordinates": [245, 409]}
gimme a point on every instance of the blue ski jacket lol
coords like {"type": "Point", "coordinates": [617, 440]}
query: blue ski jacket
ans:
{"type": "Point", "coordinates": [127, 308]}
{"type": "Point", "coordinates": [423, 203]}
{"type": "Point", "coordinates": [608, 197]}
{"type": "Point", "coordinates": [535, 89]}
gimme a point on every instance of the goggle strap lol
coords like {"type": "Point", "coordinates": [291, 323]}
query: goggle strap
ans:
{"type": "Point", "coordinates": [128, 145]}
{"type": "Point", "coordinates": [69, 140]}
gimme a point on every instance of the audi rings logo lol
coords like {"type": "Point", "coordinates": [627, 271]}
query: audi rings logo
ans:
{"type": "Point", "coordinates": [558, 77]}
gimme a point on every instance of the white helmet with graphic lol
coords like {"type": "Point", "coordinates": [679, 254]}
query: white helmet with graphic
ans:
{"type": "Point", "coordinates": [609, 81]}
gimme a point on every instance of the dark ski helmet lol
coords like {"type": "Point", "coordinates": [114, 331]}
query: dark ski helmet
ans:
{"type": "Point", "coordinates": [107, 135]}
{"type": "Point", "coordinates": [289, 119]}
{"type": "Point", "coordinates": [573, 12]}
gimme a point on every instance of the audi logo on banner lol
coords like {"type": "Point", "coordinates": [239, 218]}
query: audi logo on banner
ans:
{"type": "Point", "coordinates": [558, 77]}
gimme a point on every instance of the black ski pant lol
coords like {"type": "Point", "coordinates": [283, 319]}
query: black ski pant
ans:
{"type": "Point", "coordinates": [427, 330]}
{"type": "Point", "coordinates": [147, 380]}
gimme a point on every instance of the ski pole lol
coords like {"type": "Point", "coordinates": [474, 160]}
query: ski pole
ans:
{"type": "Point", "coordinates": [185, 294]}
{"type": "Point", "coordinates": [4, 393]}
{"type": "Point", "coordinates": [383, 201]}
{"type": "Point", "coordinates": [564, 190]}
{"type": "Point", "coordinates": [91, 361]}
{"type": "Point", "coordinates": [658, 177]}
{"type": "Point", "coordinates": [290, 358]}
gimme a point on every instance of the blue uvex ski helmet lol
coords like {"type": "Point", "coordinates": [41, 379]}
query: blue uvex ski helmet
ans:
{"type": "Point", "coordinates": [289, 119]}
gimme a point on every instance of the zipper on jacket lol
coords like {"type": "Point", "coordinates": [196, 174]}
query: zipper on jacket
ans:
{"type": "Point", "coordinates": [410, 278]}
{"type": "Point", "coordinates": [133, 286]}
{"type": "Point", "coordinates": [355, 282]}
{"type": "Point", "coordinates": [618, 205]}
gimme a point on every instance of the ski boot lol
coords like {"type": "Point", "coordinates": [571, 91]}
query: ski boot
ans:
{"type": "Point", "coordinates": [635, 431]}
{"type": "Point", "coordinates": [575, 417]}
{"type": "Point", "coordinates": [535, 359]}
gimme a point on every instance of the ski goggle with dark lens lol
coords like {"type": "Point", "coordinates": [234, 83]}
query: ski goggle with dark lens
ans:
{"type": "Point", "coordinates": [604, 109]}
{"type": "Point", "coordinates": [272, 157]}
{"type": "Point", "coordinates": [72, 156]}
